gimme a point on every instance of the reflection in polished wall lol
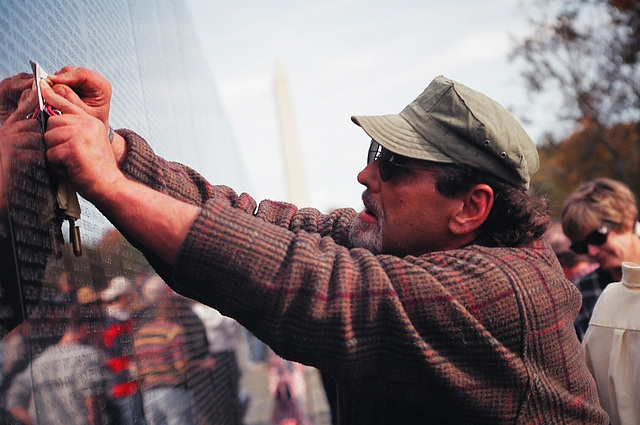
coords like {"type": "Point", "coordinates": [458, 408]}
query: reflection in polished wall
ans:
{"type": "Point", "coordinates": [99, 338]}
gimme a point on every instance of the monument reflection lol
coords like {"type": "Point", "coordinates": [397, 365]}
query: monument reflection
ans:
{"type": "Point", "coordinates": [99, 338]}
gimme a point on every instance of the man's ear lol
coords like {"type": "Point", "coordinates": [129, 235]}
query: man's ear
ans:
{"type": "Point", "coordinates": [473, 210]}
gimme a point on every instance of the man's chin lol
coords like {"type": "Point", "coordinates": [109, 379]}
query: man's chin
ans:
{"type": "Point", "coordinates": [366, 235]}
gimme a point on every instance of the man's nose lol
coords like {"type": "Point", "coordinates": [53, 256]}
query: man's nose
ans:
{"type": "Point", "coordinates": [370, 176]}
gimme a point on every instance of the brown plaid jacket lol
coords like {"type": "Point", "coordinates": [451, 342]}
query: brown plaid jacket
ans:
{"type": "Point", "coordinates": [475, 335]}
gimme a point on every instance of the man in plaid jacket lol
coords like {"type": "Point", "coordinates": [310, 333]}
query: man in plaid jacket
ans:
{"type": "Point", "coordinates": [439, 303]}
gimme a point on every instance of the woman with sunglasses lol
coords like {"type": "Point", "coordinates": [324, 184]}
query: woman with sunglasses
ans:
{"type": "Point", "coordinates": [600, 218]}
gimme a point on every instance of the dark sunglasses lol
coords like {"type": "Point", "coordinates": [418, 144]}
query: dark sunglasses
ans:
{"type": "Point", "coordinates": [390, 163]}
{"type": "Point", "coordinates": [596, 238]}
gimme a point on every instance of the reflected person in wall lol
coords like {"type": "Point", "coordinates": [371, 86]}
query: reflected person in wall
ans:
{"type": "Point", "coordinates": [25, 203]}
{"type": "Point", "coordinates": [223, 337]}
{"type": "Point", "coordinates": [199, 363]}
{"type": "Point", "coordinates": [68, 383]}
{"type": "Point", "coordinates": [118, 344]}
{"type": "Point", "coordinates": [440, 302]}
{"type": "Point", "coordinates": [162, 357]}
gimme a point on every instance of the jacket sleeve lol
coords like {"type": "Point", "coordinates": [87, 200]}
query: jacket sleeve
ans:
{"type": "Point", "coordinates": [182, 182]}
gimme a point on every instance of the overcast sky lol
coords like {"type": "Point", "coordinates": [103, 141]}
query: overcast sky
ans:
{"type": "Point", "coordinates": [344, 58]}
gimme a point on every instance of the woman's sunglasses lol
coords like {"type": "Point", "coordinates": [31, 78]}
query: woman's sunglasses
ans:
{"type": "Point", "coordinates": [390, 163]}
{"type": "Point", "coordinates": [596, 238]}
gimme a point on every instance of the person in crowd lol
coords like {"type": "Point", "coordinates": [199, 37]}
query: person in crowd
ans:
{"type": "Point", "coordinates": [599, 218]}
{"type": "Point", "coordinates": [257, 352]}
{"type": "Point", "coordinates": [161, 357]}
{"type": "Point", "coordinates": [43, 328]}
{"type": "Point", "coordinates": [14, 358]}
{"type": "Point", "coordinates": [440, 302]}
{"type": "Point", "coordinates": [330, 390]}
{"type": "Point", "coordinates": [68, 383]}
{"type": "Point", "coordinates": [118, 344]}
{"type": "Point", "coordinates": [573, 265]}
{"type": "Point", "coordinates": [612, 347]}
{"type": "Point", "coordinates": [223, 334]}
{"type": "Point", "coordinates": [288, 388]}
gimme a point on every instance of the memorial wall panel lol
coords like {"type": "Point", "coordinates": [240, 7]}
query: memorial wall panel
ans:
{"type": "Point", "coordinates": [80, 332]}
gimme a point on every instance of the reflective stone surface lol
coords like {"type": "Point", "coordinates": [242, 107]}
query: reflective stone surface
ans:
{"type": "Point", "coordinates": [99, 338]}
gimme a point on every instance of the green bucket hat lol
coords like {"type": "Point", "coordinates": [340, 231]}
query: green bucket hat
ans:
{"type": "Point", "coordinates": [451, 123]}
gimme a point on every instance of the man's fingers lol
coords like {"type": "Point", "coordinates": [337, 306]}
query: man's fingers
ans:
{"type": "Point", "coordinates": [25, 94]}
{"type": "Point", "coordinates": [65, 73]}
{"type": "Point", "coordinates": [88, 86]}
{"type": "Point", "coordinates": [55, 140]}
{"type": "Point", "coordinates": [11, 92]}
{"type": "Point", "coordinates": [70, 76]}
{"type": "Point", "coordinates": [85, 83]}
{"type": "Point", "coordinates": [70, 95]}
{"type": "Point", "coordinates": [58, 102]}
{"type": "Point", "coordinates": [57, 158]}
{"type": "Point", "coordinates": [66, 69]}
{"type": "Point", "coordinates": [20, 125]}
{"type": "Point", "coordinates": [26, 106]}
{"type": "Point", "coordinates": [12, 87]}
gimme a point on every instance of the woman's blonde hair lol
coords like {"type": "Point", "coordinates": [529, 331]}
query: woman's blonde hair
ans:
{"type": "Point", "coordinates": [598, 201]}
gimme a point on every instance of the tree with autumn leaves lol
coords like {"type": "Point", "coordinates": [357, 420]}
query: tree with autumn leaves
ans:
{"type": "Point", "coordinates": [582, 156]}
{"type": "Point", "coordinates": [588, 51]}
